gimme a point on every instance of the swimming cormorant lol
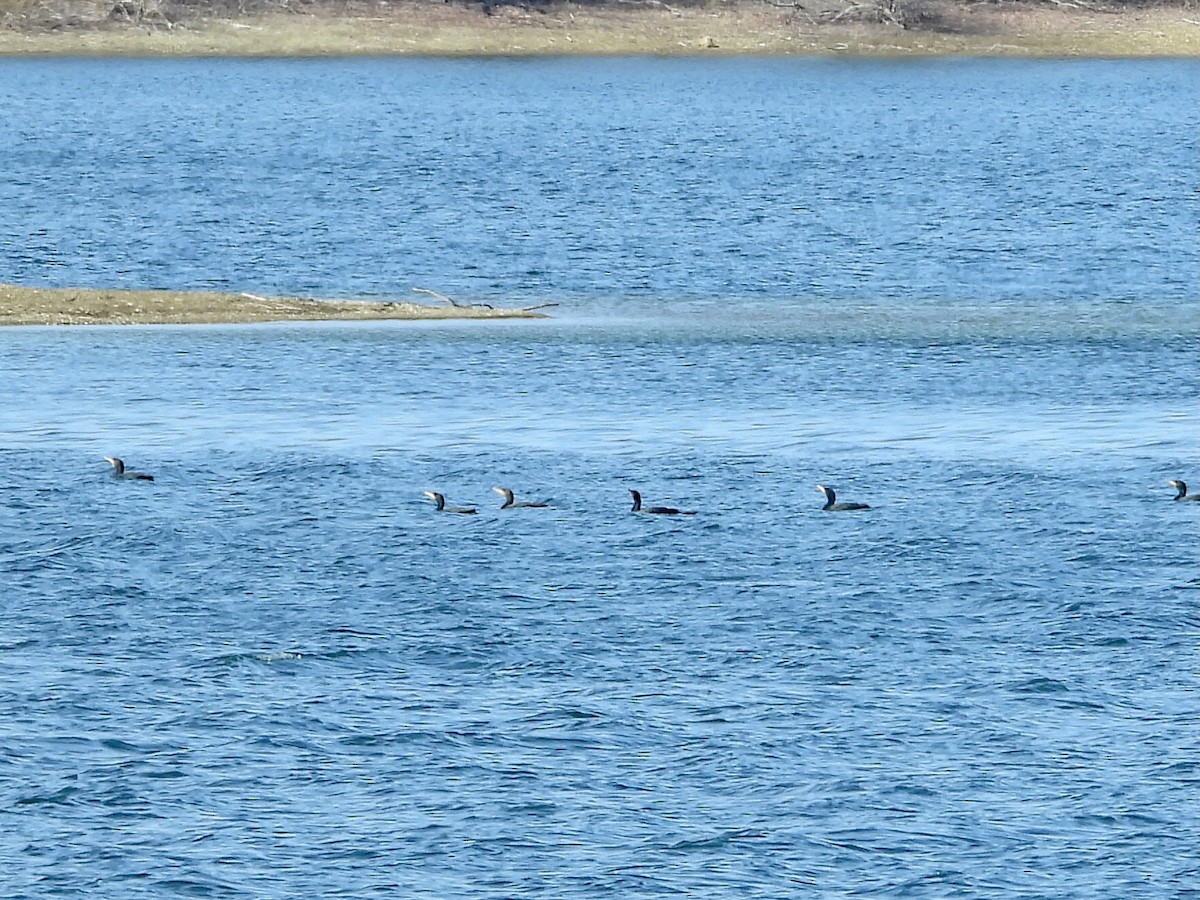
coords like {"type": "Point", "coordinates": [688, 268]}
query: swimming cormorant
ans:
{"type": "Point", "coordinates": [509, 503]}
{"type": "Point", "coordinates": [831, 504]}
{"type": "Point", "coordinates": [120, 472]}
{"type": "Point", "coordinates": [658, 510]}
{"type": "Point", "coordinates": [1182, 488]}
{"type": "Point", "coordinates": [440, 500]}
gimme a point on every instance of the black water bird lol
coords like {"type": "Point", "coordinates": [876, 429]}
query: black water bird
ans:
{"type": "Point", "coordinates": [510, 503]}
{"type": "Point", "coordinates": [831, 501]}
{"type": "Point", "coordinates": [1183, 494]}
{"type": "Point", "coordinates": [119, 471]}
{"type": "Point", "coordinates": [440, 500]}
{"type": "Point", "coordinates": [658, 510]}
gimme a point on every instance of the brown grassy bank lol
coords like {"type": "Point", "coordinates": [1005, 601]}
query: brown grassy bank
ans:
{"type": "Point", "coordinates": [70, 306]}
{"type": "Point", "coordinates": [405, 27]}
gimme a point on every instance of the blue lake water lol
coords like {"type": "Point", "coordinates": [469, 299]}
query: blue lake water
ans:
{"type": "Point", "coordinates": [962, 291]}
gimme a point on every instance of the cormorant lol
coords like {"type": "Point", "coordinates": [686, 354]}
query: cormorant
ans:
{"type": "Point", "coordinates": [1182, 488]}
{"type": "Point", "coordinates": [509, 503]}
{"type": "Point", "coordinates": [658, 510]}
{"type": "Point", "coordinates": [831, 504]}
{"type": "Point", "coordinates": [119, 471]}
{"type": "Point", "coordinates": [440, 500]}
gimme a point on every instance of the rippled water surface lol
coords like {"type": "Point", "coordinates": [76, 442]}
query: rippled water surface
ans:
{"type": "Point", "coordinates": [963, 292]}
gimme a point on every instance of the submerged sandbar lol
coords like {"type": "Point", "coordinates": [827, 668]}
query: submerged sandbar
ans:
{"type": "Point", "coordinates": [79, 306]}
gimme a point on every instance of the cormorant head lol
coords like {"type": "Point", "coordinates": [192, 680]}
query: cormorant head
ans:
{"type": "Point", "coordinates": [118, 466]}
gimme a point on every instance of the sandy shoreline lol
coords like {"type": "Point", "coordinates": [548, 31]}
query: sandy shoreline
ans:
{"type": "Point", "coordinates": [738, 27]}
{"type": "Point", "coordinates": [69, 306]}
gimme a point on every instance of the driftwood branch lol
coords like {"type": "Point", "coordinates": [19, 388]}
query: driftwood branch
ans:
{"type": "Point", "coordinates": [849, 11]}
{"type": "Point", "coordinates": [795, 6]}
{"type": "Point", "coordinates": [1088, 6]}
{"type": "Point", "coordinates": [436, 296]}
{"type": "Point", "coordinates": [455, 304]}
{"type": "Point", "coordinates": [889, 11]}
{"type": "Point", "coordinates": [644, 3]}
{"type": "Point", "coordinates": [439, 296]}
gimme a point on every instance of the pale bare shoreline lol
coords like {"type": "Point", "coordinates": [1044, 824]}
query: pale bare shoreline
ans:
{"type": "Point", "coordinates": [71, 306]}
{"type": "Point", "coordinates": [735, 28]}
{"type": "Point", "coordinates": [1060, 28]}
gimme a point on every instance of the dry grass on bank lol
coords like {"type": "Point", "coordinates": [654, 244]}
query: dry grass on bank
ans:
{"type": "Point", "coordinates": [69, 306]}
{"type": "Point", "coordinates": [334, 27]}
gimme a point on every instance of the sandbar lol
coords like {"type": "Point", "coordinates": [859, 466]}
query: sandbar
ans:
{"type": "Point", "coordinates": [78, 306]}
